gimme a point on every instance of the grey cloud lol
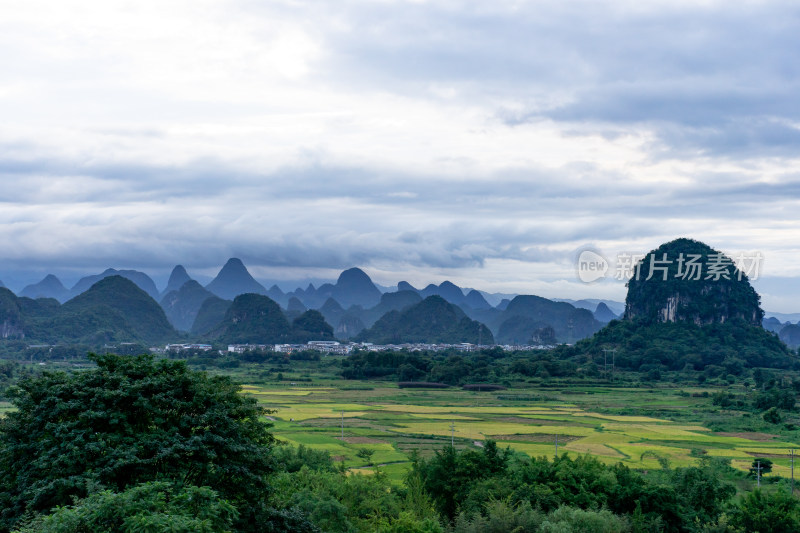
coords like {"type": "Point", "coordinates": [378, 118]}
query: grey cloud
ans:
{"type": "Point", "coordinates": [709, 80]}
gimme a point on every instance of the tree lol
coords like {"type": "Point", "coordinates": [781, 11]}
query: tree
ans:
{"type": "Point", "coordinates": [129, 421]}
{"type": "Point", "coordinates": [449, 474]}
{"type": "Point", "coordinates": [767, 513]}
{"type": "Point", "coordinates": [764, 464]}
{"type": "Point", "coordinates": [365, 454]}
{"type": "Point", "coordinates": [152, 506]}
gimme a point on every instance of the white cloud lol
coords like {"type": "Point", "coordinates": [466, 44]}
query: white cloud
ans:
{"type": "Point", "coordinates": [477, 142]}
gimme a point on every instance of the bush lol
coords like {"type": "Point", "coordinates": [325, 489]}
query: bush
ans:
{"type": "Point", "coordinates": [772, 416]}
{"type": "Point", "coordinates": [767, 513]}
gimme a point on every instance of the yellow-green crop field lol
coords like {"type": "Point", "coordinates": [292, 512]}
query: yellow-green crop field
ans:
{"type": "Point", "coordinates": [393, 423]}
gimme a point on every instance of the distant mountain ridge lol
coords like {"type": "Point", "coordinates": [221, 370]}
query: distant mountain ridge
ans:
{"type": "Point", "coordinates": [177, 279]}
{"type": "Point", "coordinates": [433, 320]}
{"type": "Point", "coordinates": [353, 303]}
{"type": "Point", "coordinates": [603, 314]}
{"type": "Point", "coordinates": [255, 318]}
{"type": "Point", "coordinates": [234, 279]}
{"type": "Point", "coordinates": [354, 287]}
{"type": "Point", "coordinates": [181, 306]}
{"type": "Point", "coordinates": [142, 280]}
{"type": "Point", "coordinates": [113, 309]}
{"type": "Point", "coordinates": [49, 287]}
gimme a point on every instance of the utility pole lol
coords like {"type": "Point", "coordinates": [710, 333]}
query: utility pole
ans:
{"type": "Point", "coordinates": [605, 360]}
{"type": "Point", "coordinates": [556, 445]}
{"type": "Point", "coordinates": [342, 425]}
{"type": "Point", "coordinates": [758, 474]}
{"type": "Point", "coordinates": [452, 434]}
{"type": "Point", "coordinates": [792, 471]}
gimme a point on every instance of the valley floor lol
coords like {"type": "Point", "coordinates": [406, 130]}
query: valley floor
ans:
{"type": "Point", "coordinates": [643, 428]}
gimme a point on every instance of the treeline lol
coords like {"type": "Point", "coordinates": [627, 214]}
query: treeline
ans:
{"type": "Point", "coordinates": [213, 358]}
{"type": "Point", "coordinates": [728, 348]}
{"type": "Point", "coordinates": [493, 490]}
{"type": "Point", "coordinates": [454, 367]}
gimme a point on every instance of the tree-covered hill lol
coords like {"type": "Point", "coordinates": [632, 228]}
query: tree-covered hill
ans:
{"type": "Point", "coordinates": [431, 320]}
{"type": "Point", "coordinates": [177, 279]}
{"type": "Point", "coordinates": [113, 309]}
{"type": "Point", "coordinates": [391, 301]}
{"type": "Point", "coordinates": [687, 280]}
{"type": "Point", "coordinates": [38, 308]}
{"type": "Point", "coordinates": [732, 346]}
{"type": "Point", "coordinates": [675, 321]}
{"type": "Point", "coordinates": [12, 325]}
{"type": "Point", "coordinates": [142, 280]}
{"type": "Point", "coordinates": [252, 318]}
{"type": "Point", "coordinates": [257, 319]}
{"type": "Point", "coordinates": [354, 287]}
{"type": "Point", "coordinates": [311, 326]}
{"type": "Point", "coordinates": [790, 334]}
{"type": "Point", "coordinates": [526, 315]}
{"type": "Point", "coordinates": [210, 314]}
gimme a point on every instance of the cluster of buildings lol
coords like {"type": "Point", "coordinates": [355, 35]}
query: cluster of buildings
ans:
{"type": "Point", "coordinates": [334, 347]}
{"type": "Point", "coordinates": [184, 347]}
{"type": "Point", "coordinates": [460, 347]}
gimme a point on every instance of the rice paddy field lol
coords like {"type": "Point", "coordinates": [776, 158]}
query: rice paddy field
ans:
{"type": "Point", "coordinates": [637, 427]}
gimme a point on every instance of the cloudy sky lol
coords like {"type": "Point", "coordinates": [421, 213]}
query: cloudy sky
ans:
{"type": "Point", "coordinates": [482, 142]}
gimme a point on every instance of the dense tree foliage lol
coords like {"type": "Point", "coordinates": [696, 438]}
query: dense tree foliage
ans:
{"type": "Point", "coordinates": [732, 346]}
{"type": "Point", "coordinates": [454, 367]}
{"type": "Point", "coordinates": [776, 512]}
{"type": "Point", "coordinates": [210, 314]}
{"type": "Point", "coordinates": [139, 444]}
{"type": "Point", "coordinates": [253, 318]}
{"type": "Point", "coordinates": [463, 483]}
{"type": "Point", "coordinates": [152, 506]}
{"type": "Point", "coordinates": [129, 421]}
{"type": "Point", "coordinates": [311, 326]}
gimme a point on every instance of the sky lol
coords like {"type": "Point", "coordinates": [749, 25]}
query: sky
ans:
{"type": "Point", "coordinates": [487, 143]}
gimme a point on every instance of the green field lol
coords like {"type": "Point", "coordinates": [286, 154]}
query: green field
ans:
{"type": "Point", "coordinates": [634, 426]}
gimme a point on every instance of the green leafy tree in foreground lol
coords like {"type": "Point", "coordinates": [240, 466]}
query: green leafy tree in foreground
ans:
{"type": "Point", "coordinates": [131, 420]}
{"type": "Point", "coordinates": [768, 513]}
{"type": "Point", "coordinates": [153, 506]}
{"type": "Point", "coordinates": [763, 463]}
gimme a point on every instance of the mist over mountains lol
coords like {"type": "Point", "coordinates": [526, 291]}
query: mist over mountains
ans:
{"type": "Point", "coordinates": [352, 307]}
